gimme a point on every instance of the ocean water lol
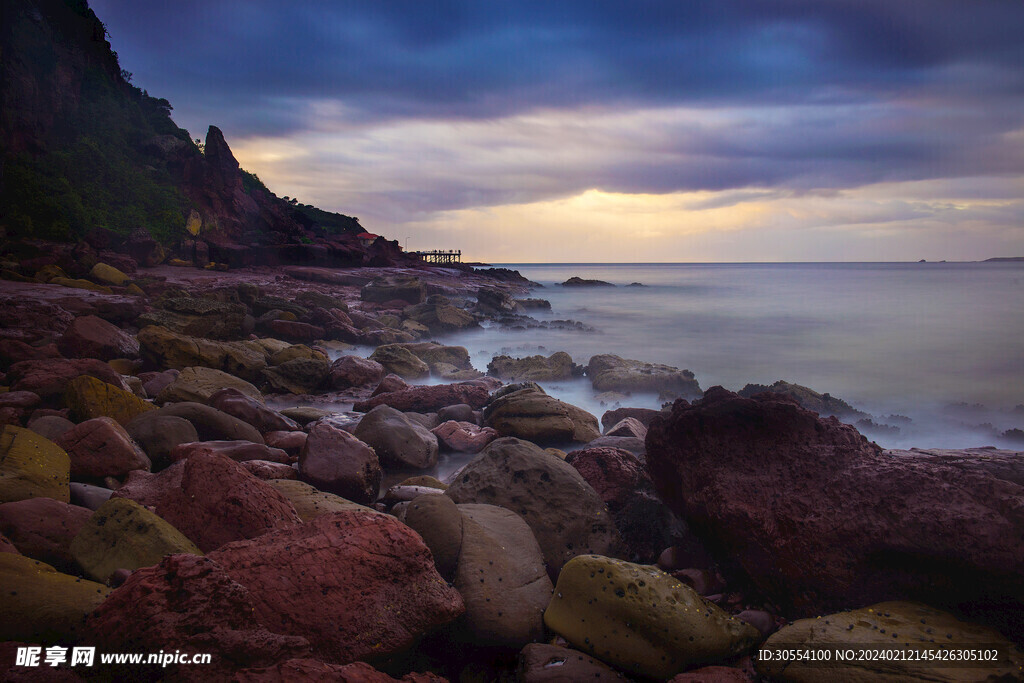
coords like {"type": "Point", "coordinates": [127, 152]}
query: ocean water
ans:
{"type": "Point", "coordinates": [940, 343]}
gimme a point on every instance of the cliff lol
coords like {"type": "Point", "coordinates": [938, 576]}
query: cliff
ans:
{"type": "Point", "coordinates": [84, 154]}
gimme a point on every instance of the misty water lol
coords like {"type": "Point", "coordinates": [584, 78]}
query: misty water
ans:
{"type": "Point", "coordinates": [940, 343]}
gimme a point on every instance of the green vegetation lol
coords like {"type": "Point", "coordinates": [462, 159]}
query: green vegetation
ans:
{"type": "Point", "coordinates": [330, 223]}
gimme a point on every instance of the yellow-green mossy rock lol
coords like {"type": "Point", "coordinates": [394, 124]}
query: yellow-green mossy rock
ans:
{"type": "Point", "coordinates": [891, 626]}
{"type": "Point", "coordinates": [640, 619]}
{"type": "Point", "coordinates": [108, 275]}
{"type": "Point", "coordinates": [198, 384]}
{"type": "Point", "coordinates": [311, 502]}
{"type": "Point", "coordinates": [32, 466]}
{"type": "Point", "coordinates": [122, 534]}
{"type": "Point", "coordinates": [48, 272]}
{"type": "Point", "coordinates": [88, 397]}
{"type": "Point", "coordinates": [41, 605]}
{"type": "Point", "coordinates": [81, 284]}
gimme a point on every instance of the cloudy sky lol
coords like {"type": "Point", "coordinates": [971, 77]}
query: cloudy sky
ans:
{"type": "Point", "coordinates": [603, 131]}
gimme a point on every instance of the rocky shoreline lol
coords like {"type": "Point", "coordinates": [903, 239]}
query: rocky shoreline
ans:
{"type": "Point", "coordinates": [176, 474]}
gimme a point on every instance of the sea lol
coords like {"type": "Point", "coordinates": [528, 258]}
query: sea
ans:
{"type": "Point", "coordinates": [934, 352]}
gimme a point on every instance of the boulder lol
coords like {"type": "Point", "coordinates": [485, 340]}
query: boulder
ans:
{"type": "Point", "coordinates": [88, 398]}
{"type": "Point", "coordinates": [390, 383]}
{"type": "Point", "coordinates": [334, 461]}
{"type": "Point", "coordinates": [239, 451]}
{"type": "Point", "coordinates": [158, 434]}
{"type": "Point", "coordinates": [251, 410]}
{"type": "Point", "coordinates": [166, 349]}
{"type": "Point", "coordinates": [397, 360]}
{"type": "Point", "coordinates": [492, 301]}
{"type": "Point", "coordinates": [440, 318]}
{"type": "Point", "coordinates": [212, 424]}
{"type": "Point", "coordinates": [303, 415]}
{"type": "Point", "coordinates": [43, 528]}
{"type": "Point", "coordinates": [576, 281]}
{"type": "Point", "coordinates": [199, 384]}
{"type": "Point", "coordinates": [92, 337]}
{"type": "Point", "coordinates": [298, 376]}
{"type": "Point", "coordinates": [14, 351]}
{"type": "Point", "coordinates": [642, 620]}
{"type": "Point", "coordinates": [543, 663]}
{"type": "Point", "coordinates": [398, 441]}
{"type": "Point", "coordinates": [122, 534]}
{"type": "Point", "coordinates": [32, 467]}
{"type": "Point", "coordinates": [50, 426]}
{"type": "Point", "coordinates": [353, 371]}
{"type": "Point", "coordinates": [89, 496]}
{"type": "Point", "coordinates": [427, 398]}
{"type": "Point", "coordinates": [266, 470]}
{"type": "Point", "coordinates": [408, 289]}
{"type": "Point", "coordinates": [155, 382]}
{"type": "Point", "coordinates": [856, 524]}
{"type": "Point", "coordinates": [438, 521]}
{"type": "Point", "coordinates": [501, 578]}
{"type": "Point", "coordinates": [612, 373]}
{"type": "Point", "coordinates": [628, 427]}
{"type": "Point", "coordinates": [434, 354]}
{"type": "Point", "coordinates": [910, 628]}
{"type": "Point", "coordinates": [48, 378]}
{"type": "Point", "coordinates": [557, 366]}
{"type": "Point", "coordinates": [199, 317]}
{"type": "Point", "coordinates": [566, 515]}
{"type": "Point", "coordinates": [211, 499]}
{"type": "Point", "coordinates": [108, 275]}
{"type": "Point", "coordinates": [463, 437]}
{"type": "Point", "coordinates": [310, 502]}
{"type": "Point", "coordinates": [100, 448]}
{"type": "Point", "coordinates": [41, 605]}
{"type": "Point", "coordinates": [531, 414]}
{"type": "Point", "coordinates": [623, 443]}
{"type": "Point", "coordinates": [289, 442]}
{"type": "Point", "coordinates": [823, 404]}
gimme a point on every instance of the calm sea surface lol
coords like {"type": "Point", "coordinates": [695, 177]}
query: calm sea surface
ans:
{"type": "Point", "coordinates": [910, 339]}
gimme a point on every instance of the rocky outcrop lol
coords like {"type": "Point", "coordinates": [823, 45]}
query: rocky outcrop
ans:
{"type": "Point", "coordinates": [199, 384]}
{"type": "Point", "coordinates": [641, 619]}
{"type": "Point", "coordinates": [608, 372]}
{"type": "Point", "coordinates": [823, 404]}
{"type": "Point", "coordinates": [529, 413]}
{"type": "Point", "coordinates": [353, 371]}
{"type": "Point", "coordinates": [49, 378]}
{"type": "Point", "coordinates": [818, 518]}
{"type": "Point", "coordinates": [400, 361]}
{"type": "Point", "coordinates": [409, 290]}
{"type": "Point", "coordinates": [92, 337]}
{"type": "Point", "coordinates": [427, 399]}
{"type": "Point", "coordinates": [166, 349]}
{"type": "Point", "coordinates": [557, 366]}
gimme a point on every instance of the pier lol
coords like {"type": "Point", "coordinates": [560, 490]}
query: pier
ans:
{"type": "Point", "coordinates": [440, 256]}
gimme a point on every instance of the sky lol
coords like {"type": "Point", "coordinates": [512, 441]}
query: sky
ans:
{"type": "Point", "coordinates": [600, 131]}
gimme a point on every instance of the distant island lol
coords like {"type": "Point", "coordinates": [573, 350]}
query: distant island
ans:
{"type": "Point", "coordinates": [1003, 259]}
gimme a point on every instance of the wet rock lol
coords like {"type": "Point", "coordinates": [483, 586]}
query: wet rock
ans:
{"type": "Point", "coordinates": [904, 625]}
{"type": "Point", "coordinates": [43, 528]}
{"type": "Point", "coordinates": [212, 424]}
{"type": "Point", "coordinates": [576, 281]}
{"type": "Point", "coordinates": [92, 337]}
{"type": "Point", "coordinates": [855, 524]}
{"type": "Point", "coordinates": [400, 361]}
{"type": "Point", "coordinates": [625, 443]}
{"type": "Point", "coordinates": [640, 619]}
{"type": "Point", "coordinates": [251, 410]}
{"type": "Point", "coordinates": [166, 349]}
{"type": "Point", "coordinates": [353, 371]}
{"type": "Point", "coordinates": [823, 404]}
{"type": "Point", "coordinates": [566, 515]}
{"type": "Point", "coordinates": [542, 663]}
{"type": "Point", "coordinates": [289, 442]}
{"type": "Point", "coordinates": [438, 521]}
{"type": "Point", "coordinates": [463, 437]}
{"type": "Point", "coordinates": [310, 502]}
{"type": "Point", "coordinates": [157, 434]}
{"type": "Point", "coordinates": [89, 496]}
{"type": "Point", "coordinates": [298, 376]}
{"type": "Point", "coordinates": [390, 382]}
{"type": "Point", "coordinates": [199, 384]}
{"type": "Point", "coordinates": [239, 451]}
{"type": "Point", "coordinates": [557, 366]}
{"type": "Point", "coordinates": [531, 414]}
{"type": "Point", "coordinates": [22, 400]}
{"type": "Point", "coordinates": [337, 462]}
{"type": "Point", "coordinates": [101, 448]}
{"type": "Point", "coordinates": [88, 398]}
{"type": "Point", "coordinates": [427, 398]}
{"type": "Point", "coordinates": [296, 331]}
{"type": "Point", "coordinates": [408, 289]}
{"type": "Point", "coordinates": [435, 355]}
{"type": "Point", "coordinates": [398, 441]}
{"type": "Point", "coordinates": [501, 577]}
{"type": "Point", "coordinates": [440, 318]}
{"type": "Point", "coordinates": [211, 500]}
{"type": "Point", "coordinates": [40, 604]}
{"type": "Point", "coordinates": [49, 378]}
{"type": "Point", "coordinates": [612, 373]}
{"type": "Point", "coordinates": [122, 534]}
{"type": "Point", "coordinates": [31, 467]}
{"type": "Point", "coordinates": [459, 412]}
{"type": "Point", "coordinates": [303, 415]}
{"type": "Point", "coordinates": [492, 301]}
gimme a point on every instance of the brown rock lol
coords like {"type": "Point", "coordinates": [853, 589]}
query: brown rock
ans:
{"type": "Point", "coordinates": [398, 441]}
{"type": "Point", "coordinates": [43, 528]}
{"type": "Point", "coordinates": [311, 503]}
{"type": "Point", "coordinates": [212, 424]}
{"type": "Point", "coordinates": [353, 371]}
{"type": "Point", "coordinates": [101, 448]}
{"type": "Point", "coordinates": [629, 427]}
{"type": "Point", "coordinates": [92, 337]}
{"type": "Point", "coordinates": [23, 400]}
{"type": "Point", "coordinates": [542, 663]}
{"type": "Point", "coordinates": [427, 399]}
{"type": "Point", "coordinates": [239, 451]}
{"type": "Point", "coordinates": [529, 413]}
{"type": "Point", "coordinates": [463, 437]}
{"type": "Point", "coordinates": [265, 470]}
{"type": "Point", "coordinates": [88, 397]}
{"type": "Point", "coordinates": [158, 434]}
{"type": "Point", "coordinates": [289, 442]}
{"type": "Point", "coordinates": [50, 377]}
{"type": "Point", "coordinates": [50, 426]}
{"type": "Point", "coordinates": [438, 521]}
{"type": "Point", "coordinates": [335, 461]}
{"type": "Point", "coordinates": [211, 499]}
{"type": "Point", "coordinates": [296, 331]}
{"type": "Point", "coordinates": [390, 383]}
{"type": "Point", "coordinates": [713, 674]}
{"type": "Point", "coordinates": [248, 409]}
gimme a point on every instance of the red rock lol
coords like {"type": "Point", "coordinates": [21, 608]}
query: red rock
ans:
{"type": "Point", "coordinates": [355, 584]}
{"type": "Point", "coordinates": [211, 499]}
{"type": "Point", "coordinates": [239, 451]}
{"type": "Point", "coordinates": [426, 399]}
{"type": "Point", "coordinates": [353, 371]}
{"type": "Point", "coordinates": [92, 337]}
{"type": "Point", "coordinates": [291, 330]}
{"type": "Point", "coordinates": [390, 383]}
{"type": "Point", "coordinates": [263, 469]}
{"type": "Point", "coordinates": [155, 382]}
{"type": "Point", "coordinates": [315, 671]}
{"type": "Point", "coordinates": [14, 351]}
{"type": "Point", "coordinates": [233, 402]}
{"type": "Point", "coordinates": [189, 603]}
{"type": "Point", "coordinates": [614, 473]}
{"type": "Point", "coordinates": [6, 546]}
{"type": "Point", "coordinates": [24, 400]}
{"type": "Point", "coordinates": [43, 528]}
{"type": "Point", "coordinates": [819, 519]}
{"type": "Point", "coordinates": [289, 442]}
{"type": "Point", "coordinates": [463, 437]}
{"type": "Point", "coordinates": [101, 447]}
{"type": "Point", "coordinates": [11, 416]}
{"type": "Point", "coordinates": [48, 378]}
{"type": "Point", "coordinates": [26, 319]}
{"type": "Point", "coordinates": [334, 461]}
{"type": "Point", "coordinates": [713, 674]}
